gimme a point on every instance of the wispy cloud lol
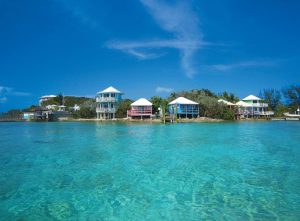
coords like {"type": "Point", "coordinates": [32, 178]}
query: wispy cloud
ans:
{"type": "Point", "coordinates": [3, 100]}
{"type": "Point", "coordinates": [163, 90]}
{"type": "Point", "coordinates": [76, 9]}
{"type": "Point", "coordinates": [83, 17]}
{"type": "Point", "coordinates": [245, 64]}
{"type": "Point", "coordinates": [20, 94]}
{"type": "Point", "coordinates": [3, 94]}
{"type": "Point", "coordinates": [139, 49]}
{"type": "Point", "coordinates": [179, 20]}
{"type": "Point", "coordinates": [7, 91]}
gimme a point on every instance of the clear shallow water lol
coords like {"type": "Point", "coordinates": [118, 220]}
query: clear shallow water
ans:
{"type": "Point", "coordinates": [90, 171]}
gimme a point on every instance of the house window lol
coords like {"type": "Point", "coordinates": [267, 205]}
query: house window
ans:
{"type": "Point", "coordinates": [111, 105]}
{"type": "Point", "coordinates": [113, 95]}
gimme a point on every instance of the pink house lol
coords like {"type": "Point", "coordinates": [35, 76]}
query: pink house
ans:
{"type": "Point", "coordinates": [142, 108]}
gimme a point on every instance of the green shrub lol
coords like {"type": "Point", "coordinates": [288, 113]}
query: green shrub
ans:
{"type": "Point", "coordinates": [228, 114]}
{"type": "Point", "coordinates": [123, 107]}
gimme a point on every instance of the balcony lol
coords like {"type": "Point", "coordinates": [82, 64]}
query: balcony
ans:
{"type": "Point", "coordinates": [106, 99]}
{"type": "Point", "coordinates": [259, 105]}
{"type": "Point", "coordinates": [139, 112]}
{"type": "Point", "coordinates": [105, 110]}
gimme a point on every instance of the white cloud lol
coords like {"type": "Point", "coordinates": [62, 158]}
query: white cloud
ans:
{"type": "Point", "coordinates": [245, 64]}
{"type": "Point", "coordinates": [177, 19]}
{"type": "Point", "coordinates": [163, 90]}
{"type": "Point", "coordinates": [7, 91]}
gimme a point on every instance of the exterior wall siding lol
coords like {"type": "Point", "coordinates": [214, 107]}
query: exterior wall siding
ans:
{"type": "Point", "coordinates": [184, 109]}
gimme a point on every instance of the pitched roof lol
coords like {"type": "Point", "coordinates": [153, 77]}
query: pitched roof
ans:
{"type": "Point", "coordinates": [110, 90]}
{"type": "Point", "coordinates": [243, 104]}
{"type": "Point", "coordinates": [182, 100]}
{"type": "Point", "coordinates": [251, 98]}
{"type": "Point", "coordinates": [48, 96]}
{"type": "Point", "coordinates": [226, 102]}
{"type": "Point", "coordinates": [141, 102]}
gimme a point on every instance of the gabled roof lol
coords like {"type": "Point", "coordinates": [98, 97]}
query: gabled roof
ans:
{"type": "Point", "coordinates": [110, 90]}
{"type": "Point", "coordinates": [141, 102]}
{"type": "Point", "coordinates": [243, 104]}
{"type": "Point", "coordinates": [226, 102]}
{"type": "Point", "coordinates": [182, 100]}
{"type": "Point", "coordinates": [251, 98]}
{"type": "Point", "coordinates": [48, 96]}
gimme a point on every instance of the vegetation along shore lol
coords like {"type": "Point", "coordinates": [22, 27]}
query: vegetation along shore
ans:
{"type": "Point", "coordinates": [198, 105]}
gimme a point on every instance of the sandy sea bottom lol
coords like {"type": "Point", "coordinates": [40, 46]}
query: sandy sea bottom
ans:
{"type": "Point", "coordinates": [98, 171]}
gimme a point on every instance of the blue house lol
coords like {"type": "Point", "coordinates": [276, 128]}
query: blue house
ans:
{"type": "Point", "coordinates": [108, 102]}
{"type": "Point", "coordinates": [184, 108]}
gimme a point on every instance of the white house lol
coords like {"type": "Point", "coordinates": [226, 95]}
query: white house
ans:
{"type": "Point", "coordinates": [254, 107]}
{"type": "Point", "coordinates": [28, 115]}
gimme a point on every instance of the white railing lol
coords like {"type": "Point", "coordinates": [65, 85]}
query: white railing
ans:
{"type": "Point", "coordinates": [259, 105]}
{"type": "Point", "coordinates": [262, 113]}
{"type": "Point", "coordinates": [105, 110]}
{"type": "Point", "coordinates": [267, 113]}
{"type": "Point", "coordinates": [106, 99]}
{"type": "Point", "coordinates": [139, 112]}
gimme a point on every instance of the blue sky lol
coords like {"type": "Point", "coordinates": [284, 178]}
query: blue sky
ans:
{"type": "Point", "coordinates": [145, 47]}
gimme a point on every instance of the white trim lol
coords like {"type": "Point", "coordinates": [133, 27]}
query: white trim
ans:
{"type": "Point", "coordinates": [251, 98]}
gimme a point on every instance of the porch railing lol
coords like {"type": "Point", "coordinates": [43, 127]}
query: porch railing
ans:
{"type": "Point", "coordinates": [106, 99]}
{"type": "Point", "coordinates": [105, 110]}
{"type": "Point", "coordinates": [138, 112]}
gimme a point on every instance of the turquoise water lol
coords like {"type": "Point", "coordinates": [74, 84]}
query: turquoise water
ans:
{"type": "Point", "coordinates": [94, 171]}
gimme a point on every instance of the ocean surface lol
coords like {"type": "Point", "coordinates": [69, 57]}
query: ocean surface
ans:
{"type": "Point", "coordinates": [112, 171]}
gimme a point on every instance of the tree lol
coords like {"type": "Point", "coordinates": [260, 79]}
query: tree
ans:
{"type": "Point", "coordinates": [12, 114]}
{"type": "Point", "coordinates": [158, 102]}
{"type": "Point", "coordinates": [70, 101]}
{"type": "Point", "coordinates": [228, 114]}
{"type": "Point", "coordinates": [210, 107]}
{"type": "Point", "coordinates": [85, 112]}
{"type": "Point", "coordinates": [229, 97]}
{"type": "Point", "coordinates": [52, 101]}
{"type": "Point", "coordinates": [31, 108]}
{"type": "Point", "coordinates": [59, 99]}
{"type": "Point", "coordinates": [272, 97]}
{"type": "Point", "coordinates": [123, 107]}
{"type": "Point", "coordinates": [292, 96]}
